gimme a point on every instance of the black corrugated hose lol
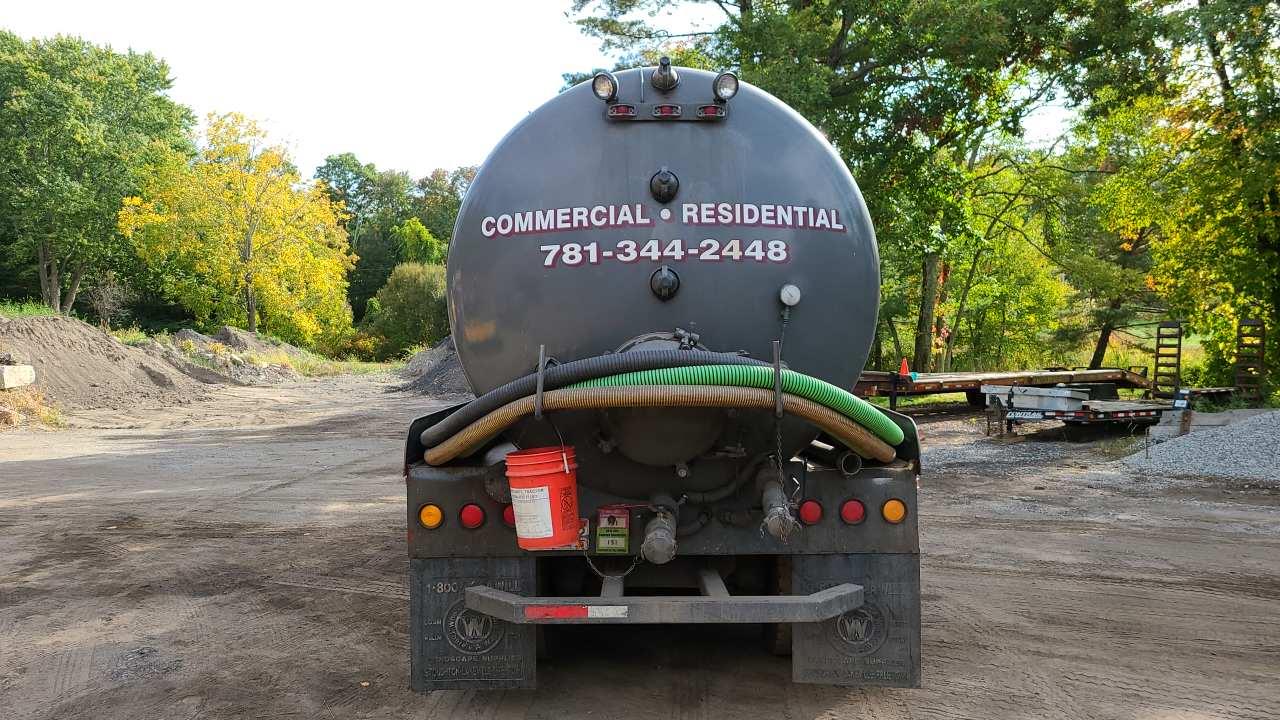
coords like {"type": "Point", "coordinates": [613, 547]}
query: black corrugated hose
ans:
{"type": "Point", "coordinates": [559, 376]}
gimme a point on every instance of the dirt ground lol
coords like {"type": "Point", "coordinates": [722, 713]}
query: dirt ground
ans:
{"type": "Point", "coordinates": [243, 557]}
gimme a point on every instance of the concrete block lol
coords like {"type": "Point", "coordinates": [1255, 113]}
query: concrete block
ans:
{"type": "Point", "coordinates": [16, 376]}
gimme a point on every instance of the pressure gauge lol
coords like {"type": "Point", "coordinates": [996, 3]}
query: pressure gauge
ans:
{"type": "Point", "coordinates": [789, 295]}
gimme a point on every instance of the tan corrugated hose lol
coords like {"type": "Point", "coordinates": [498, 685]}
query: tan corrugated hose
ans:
{"type": "Point", "coordinates": [481, 431]}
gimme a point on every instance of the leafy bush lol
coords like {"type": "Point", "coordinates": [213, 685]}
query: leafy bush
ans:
{"type": "Point", "coordinates": [409, 310]}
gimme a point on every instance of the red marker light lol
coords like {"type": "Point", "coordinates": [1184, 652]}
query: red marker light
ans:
{"type": "Point", "coordinates": [666, 111]}
{"type": "Point", "coordinates": [853, 512]}
{"type": "Point", "coordinates": [622, 111]}
{"type": "Point", "coordinates": [810, 512]}
{"type": "Point", "coordinates": [471, 516]}
{"type": "Point", "coordinates": [509, 516]}
{"type": "Point", "coordinates": [711, 112]}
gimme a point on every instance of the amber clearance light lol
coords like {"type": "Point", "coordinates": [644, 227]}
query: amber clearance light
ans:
{"type": "Point", "coordinates": [894, 511]}
{"type": "Point", "coordinates": [430, 516]}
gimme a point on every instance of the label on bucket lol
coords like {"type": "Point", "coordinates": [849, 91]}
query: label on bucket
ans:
{"type": "Point", "coordinates": [533, 512]}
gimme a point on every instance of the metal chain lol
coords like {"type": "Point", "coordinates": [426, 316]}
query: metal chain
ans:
{"type": "Point", "coordinates": [635, 562]}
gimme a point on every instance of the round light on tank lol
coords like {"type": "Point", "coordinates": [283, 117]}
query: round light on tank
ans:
{"type": "Point", "coordinates": [725, 86]}
{"type": "Point", "coordinates": [605, 86]}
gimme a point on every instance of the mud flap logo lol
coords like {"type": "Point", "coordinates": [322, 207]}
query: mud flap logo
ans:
{"type": "Point", "coordinates": [471, 632]}
{"type": "Point", "coordinates": [861, 631]}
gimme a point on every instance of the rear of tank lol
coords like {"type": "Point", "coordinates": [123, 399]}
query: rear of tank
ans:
{"type": "Point", "coordinates": [604, 226]}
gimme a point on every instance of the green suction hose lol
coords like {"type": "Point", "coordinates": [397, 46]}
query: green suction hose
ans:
{"type": "Point", "coordinates": [761, 376]}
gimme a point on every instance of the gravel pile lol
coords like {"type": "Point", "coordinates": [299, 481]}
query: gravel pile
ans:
{"type": "Point", "coordinates": [1247, 450]}
{"type": "Point", "coordinates": [437, 371]}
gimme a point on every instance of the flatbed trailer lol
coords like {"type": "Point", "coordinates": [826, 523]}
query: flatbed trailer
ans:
{"type": "Point", "coordinates": [893, 385]}
{"type": "Point", "coordinates": [1003, 415]}
{"type": "Point", "coordinates": [1097, 411]}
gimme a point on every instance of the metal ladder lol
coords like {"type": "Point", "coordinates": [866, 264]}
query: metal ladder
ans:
{"type": "Point", "coordinates": [1251, 342]}
{"type": "Point", "coordinates": [1168, 375]}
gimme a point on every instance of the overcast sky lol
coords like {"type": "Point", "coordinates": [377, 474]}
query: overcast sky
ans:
{"type": "Point", "coordinates": [405, 85]}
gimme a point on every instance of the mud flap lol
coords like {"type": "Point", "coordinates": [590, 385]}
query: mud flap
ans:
{"type": "Point", "coordinates": [875, 645]}
{"type": "Point", "coordinates": [455, 648]}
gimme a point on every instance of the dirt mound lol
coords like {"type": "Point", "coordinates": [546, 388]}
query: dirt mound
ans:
{"type": "Point", "coordinates": [79, 366]}
{"type": "Point", "coordinates": [225, 358]}
{"type": "Point", "coordinates": [437, 371]}
{"type": "Point", "coordinates": [246, 341]}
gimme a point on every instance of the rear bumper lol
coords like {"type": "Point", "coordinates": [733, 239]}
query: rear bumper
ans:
{"type": "Point", "coordinates": [815, 607]}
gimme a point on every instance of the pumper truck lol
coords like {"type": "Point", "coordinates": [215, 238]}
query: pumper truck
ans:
{"type": "Point", "coordinates": [660, 285]}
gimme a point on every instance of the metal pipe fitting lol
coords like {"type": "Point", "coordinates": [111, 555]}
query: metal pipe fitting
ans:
{"type": "Point", "coordinates": [778, 520]}
{"type": "Point", "coordinates": [659, 545]}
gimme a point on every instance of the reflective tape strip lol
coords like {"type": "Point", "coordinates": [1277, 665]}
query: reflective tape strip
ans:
{"type": "Point", "coordinates": [569, 612]}
{"type": "Point", "coordinates": [606, 611]}
{"type": "Point", "coordinates": [542, 612]}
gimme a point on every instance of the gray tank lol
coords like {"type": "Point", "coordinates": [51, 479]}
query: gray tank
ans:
{"type": "Point", "coordinates": [588, 233]}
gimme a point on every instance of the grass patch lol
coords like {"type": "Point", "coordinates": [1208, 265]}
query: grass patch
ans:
{"type": "Point", "coordinates": [24, 309]}
{"type": "Point", "coordinates": [310, 364]}
{"type": "Point", "coordinates": [30, 406]}
{"type": "Point", "coordinates": [1121, 447]}
{"type": "Point", "coordinates": [917, 400]}
{"type": "Point", "coordinates": [133, 336]}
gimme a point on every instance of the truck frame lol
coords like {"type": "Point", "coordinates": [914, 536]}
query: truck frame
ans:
{"type": "Point", "coordinates": [841, 596]}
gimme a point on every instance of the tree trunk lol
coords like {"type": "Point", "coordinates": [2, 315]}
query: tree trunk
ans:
{"type": "Point", "coordinates": [69, 298]}
{"type": "Point", "coordinates": [50, 283]}
{"type": "Point", "coordinates": [1104, 335]}
{"type": "Point", "coordinates": [955, 323]}
{"type": "Point", "coordinates": [250, 305]}
{"type": "Point", "coordinates": [928, 303]}
{"type": "Point", "coordinates": [1100, 350]}
{"type": "Point", "coordinates": [940, 321]}
{"type": "Point", "coordinates": [897, 344]}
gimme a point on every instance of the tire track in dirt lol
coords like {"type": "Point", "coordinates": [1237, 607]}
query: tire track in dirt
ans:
{"type": "Point", "coordinates": [362, 586]}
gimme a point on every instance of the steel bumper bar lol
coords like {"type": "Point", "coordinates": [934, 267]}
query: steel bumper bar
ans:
{"type": "Point", "coordinates": [716, 608]}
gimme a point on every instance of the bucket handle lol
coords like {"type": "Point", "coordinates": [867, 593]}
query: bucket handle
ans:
{"type": "Point", "coordinates": [537, 406]}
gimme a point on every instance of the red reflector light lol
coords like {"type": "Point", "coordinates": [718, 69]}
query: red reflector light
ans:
{"type": "Point", "coordinates": [471, 516]}
{"type": "Point", "coordinates": [853, 512]}
{"type": "Point", "coordinates": [666, 111]}
{"type": "Point", "coordinates": [711, 111]}
{"type": "Point", "coordinates": [509, 516]}
{"type": "Point", "coordinates": [810, 512]}
{"type": "Point", "coordinates": [622, 111]}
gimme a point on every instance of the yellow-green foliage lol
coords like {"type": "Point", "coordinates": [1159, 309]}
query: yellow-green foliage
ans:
{"type": "Point", "coordinates": [313, 365]}
{"type": "Point", "coordinates": [130, 336]}
{"type": "Point", "coordinates": [238, 227]}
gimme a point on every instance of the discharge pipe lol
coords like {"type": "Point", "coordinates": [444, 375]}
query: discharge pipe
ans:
{"type": "Point", "coordinates": [659, 545]}
{"type": "Point", "coordinates": [778, 520]}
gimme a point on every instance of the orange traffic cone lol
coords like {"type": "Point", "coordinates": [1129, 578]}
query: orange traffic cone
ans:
{"type": "Point", "coordinates": [904, 370]}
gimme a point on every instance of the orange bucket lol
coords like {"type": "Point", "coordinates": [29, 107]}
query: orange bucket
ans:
{"type": "Point", "coordinates": [544, 496]}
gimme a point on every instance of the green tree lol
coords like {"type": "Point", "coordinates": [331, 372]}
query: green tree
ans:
{"type": "Point", "coordinates": [376, 202]}
{"type": "Point", "coordinates": [440, 197]}
{"type": "Point", "coordinates": [409, 310]}
{"type": "Point", "coordinates": [1201, 176]}
{"type": "Point", "coordinates": [417, 244]}
{"type": "Point", "coordinates": [78, 122]}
